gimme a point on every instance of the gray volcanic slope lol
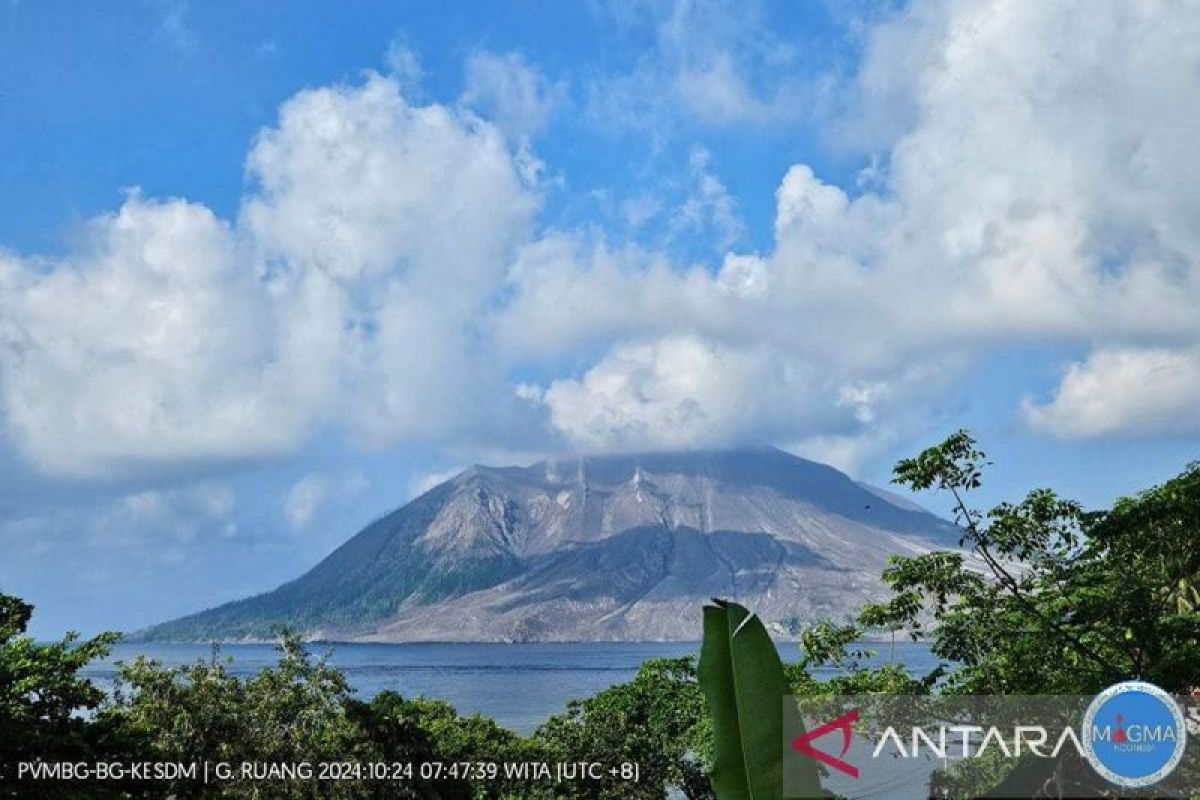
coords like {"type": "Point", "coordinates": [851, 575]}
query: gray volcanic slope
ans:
{"type": "Point", "coordinates": [596, 548]}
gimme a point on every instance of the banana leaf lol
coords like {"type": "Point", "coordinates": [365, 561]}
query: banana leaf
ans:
{"type": "Point", "coordinates": [743, 683]}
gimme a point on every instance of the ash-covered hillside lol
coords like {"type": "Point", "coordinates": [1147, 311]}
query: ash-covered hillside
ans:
{"type": "Point", "coordinates": [596, 548]}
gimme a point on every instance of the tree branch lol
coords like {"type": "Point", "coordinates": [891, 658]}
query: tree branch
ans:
{"type": "Point", "coordinates": [1010, 584]}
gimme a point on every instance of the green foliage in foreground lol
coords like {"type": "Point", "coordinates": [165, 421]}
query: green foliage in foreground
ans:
{"type": "Point", "coordinates": [744, 685]}
{"type": "Point", "coordinates": [302, 710]}
{"type": "Point", "coordinates": [656, 720]}
{"type": "Point", "coordinates": [1055, 600]}
{"type": "Point", "coordinates": [1052, 600]}
{"type": "Point", "coordinates": [41, 695]}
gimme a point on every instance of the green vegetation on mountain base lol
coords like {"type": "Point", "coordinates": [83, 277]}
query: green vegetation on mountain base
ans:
{"type": "Point", "coordinates": [292, 607]}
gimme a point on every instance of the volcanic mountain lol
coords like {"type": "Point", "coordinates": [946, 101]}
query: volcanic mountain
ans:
{"type": "Point", "coordinates": [597, 548]}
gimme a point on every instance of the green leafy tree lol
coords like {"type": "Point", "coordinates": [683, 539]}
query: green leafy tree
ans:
{"type": "Point", "coordinates": [45, 704]}
{"type": "Point", "coordinates": [454, 739]}
{"type": "Point", "coordinates": [397, 731]}
{"type": "Point", "coordinates": [301, 710]}
{"type": "Point", "coordinates": [657, 720]}
{"type": "Point", "coordinates": [838, 646]}
{"type": "Point", "coordinates": [290, 713]}
{"type": "Point", "coordinates": [1052, 599]}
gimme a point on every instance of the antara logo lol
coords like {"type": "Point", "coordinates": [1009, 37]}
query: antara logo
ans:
{"type": "Point", "coordinates": [844, 723]}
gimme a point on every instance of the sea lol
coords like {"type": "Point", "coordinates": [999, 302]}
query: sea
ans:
{"type": "Point", "coordinates": [518, 685]}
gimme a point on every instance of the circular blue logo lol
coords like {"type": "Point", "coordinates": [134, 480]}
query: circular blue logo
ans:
{"type": "Point", "coordinates": [1134, 734]}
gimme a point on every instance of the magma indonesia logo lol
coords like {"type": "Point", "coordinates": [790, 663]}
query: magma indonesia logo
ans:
{"type": "Point", "coordinates": [1134, 734]}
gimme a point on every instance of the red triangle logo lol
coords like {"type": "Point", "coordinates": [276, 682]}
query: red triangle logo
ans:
{"type": "Point", "coordinates": [803, 743]}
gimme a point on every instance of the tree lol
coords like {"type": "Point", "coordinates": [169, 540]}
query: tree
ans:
{"type": "Point", "coordinates": [453, 739]}
{"type": "Point", "coordinates": [1055, 600]}
{"type": "Point", "coordinates": [45, 703]}
{"type": "Point", "coordinates": [287, 714]}
{"type": "Point", "coordinates": [657, 720]}
{"type": "Point", "coordinates": [301, 711]}
{"type": "Point", "coordinates": [828, 644]}
{"type": "Point", "coordinates": [393, 730]}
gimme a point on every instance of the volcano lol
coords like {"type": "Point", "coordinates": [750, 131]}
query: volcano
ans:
{"type": "Point", "coordinates": [597, 548]}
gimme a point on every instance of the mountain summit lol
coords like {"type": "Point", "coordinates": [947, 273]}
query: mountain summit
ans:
{"type": "Point", "coordinates": [596, 548]}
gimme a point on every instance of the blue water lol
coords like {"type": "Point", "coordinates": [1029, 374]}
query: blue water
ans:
{"type": "Point", "coordinates": [518, 685]}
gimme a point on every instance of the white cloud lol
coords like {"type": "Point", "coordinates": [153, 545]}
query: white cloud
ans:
{"type": "Point", "coordinates": [640, 209]}
{"type": "Point", "coordinates": [512, 93]}
{"type": "Point", "coordinates": [346, 292]}
{"type": "Point", "coordinates": [155, 514]}
{"type": "Point", "coordinates": [681, 391]}
{"type": "Point", "coordinates": [404, 66]}
{"type": "Point", "coordinates": [1124, 392]}
{"type": "Point", "coordinates": [685, 391]}
{"type": "Point", "coordinates": [709, 208]}
{"type": "Point", "coordinates": [671, 393]}
{"type": "Point", "coordinates": [1036, 192]}
{"type": "Point", "coordinates": [154, 343]}
{"type": "Point", "coordinates": [1046, 183]}
{"type": "Point", "coordinates": [845, 452]}
{"type": "Point", "coordinates": [404, 218]}
{"type": "Point", "coordinates": [168, 519]}
{"type": "Point", "coordinates": [86, 556]}
{"type": "Point", "coordinates": [715, 62]}
{"type": "Point", "coordinates": [308, 495]}
{"type": "Point", "coordinates": [303, 499]}
{"type": "Point", "coordinates": [385, 276]}
{"type": "Point", "coordinates": [717, 92]}
{"type": "Point", "coordinates": [426, 481]}
{"type": "Point", "coordinates": [357, 183]}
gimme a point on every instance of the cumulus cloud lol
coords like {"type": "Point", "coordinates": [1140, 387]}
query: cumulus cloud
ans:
{"type": "Point", "coordinates": [403, 218]}
{"type": "Point", "coordinates": [683, 391]}
{"type": "Point", "coordinates": [356, 183]}
{"type": "Point", "coordinates": [1124, 391]}
{"type": "Point", "coordinates": [670, 393]}
{"type": "Point", "coordinates": [155, 343]}
{"type": "Point", "coordinates": [345, 292]}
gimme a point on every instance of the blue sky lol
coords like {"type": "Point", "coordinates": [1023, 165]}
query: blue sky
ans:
{"type": "Point", "coordinates": [267, 270]}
